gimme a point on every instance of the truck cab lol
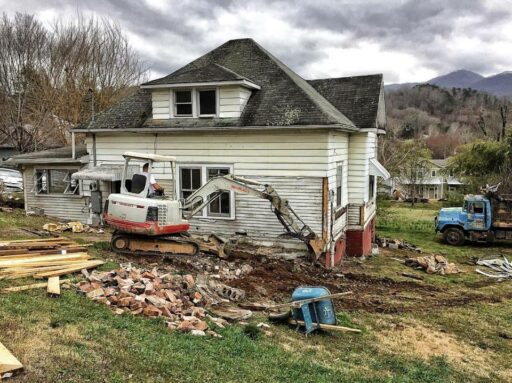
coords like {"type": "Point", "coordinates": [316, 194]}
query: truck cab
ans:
{"type": "Point", "coordinates": [473, 221]}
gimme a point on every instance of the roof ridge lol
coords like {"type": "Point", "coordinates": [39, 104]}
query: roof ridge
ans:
{"type": "Point", "coordinates": [346, 77]}
{"type": "Point", "coordinates": [320, 101]}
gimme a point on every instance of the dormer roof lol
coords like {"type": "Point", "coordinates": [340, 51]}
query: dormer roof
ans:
{"type": "Point", "coordinates": [209, 74]}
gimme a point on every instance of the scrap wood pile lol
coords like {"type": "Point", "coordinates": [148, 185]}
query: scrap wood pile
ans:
{"type": "Point", "coordinates": [433, 264]}
{"type": "Point", "coordinates": [181, 299]}
{"type": "Point", "coordinates": [43, 258]}
{"type": "Point", "coordinates": [502, 267]}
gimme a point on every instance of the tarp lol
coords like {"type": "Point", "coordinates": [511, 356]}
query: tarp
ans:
{"type": "Point", "coordinates": [103, 173]}
{"type": "Point", "coordinates": [378, 170]}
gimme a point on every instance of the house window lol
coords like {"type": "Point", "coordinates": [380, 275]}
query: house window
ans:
{"type": "Point", "coordinates": [433, 173]}
{"type": "Point", "coordinates": [183, 103]}
{"type": "Point", "coordinates": [339, 184]}
{"type": "Point", "coordinates": [371, 187]}
{"type": "Point", "coordinates": [192, 177]}
{"type": "Point", "coordinates": [190, 181]}
{"type": "Point", "coordinates": [207, 102]}
{"type": "Point", "coordinates": [56, 181]}
{"type": "Point", "coordinates": [222, 205]}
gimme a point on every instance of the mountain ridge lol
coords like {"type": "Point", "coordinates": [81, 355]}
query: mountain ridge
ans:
{"type": "Point", "coordinates": [499, 84]}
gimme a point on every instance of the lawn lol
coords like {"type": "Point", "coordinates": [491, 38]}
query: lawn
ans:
{"type": "Point", "coordinates": [441, 329]}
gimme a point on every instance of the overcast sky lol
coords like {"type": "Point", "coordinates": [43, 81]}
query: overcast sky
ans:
{"type": "Point", "coordinates": [405, 40]}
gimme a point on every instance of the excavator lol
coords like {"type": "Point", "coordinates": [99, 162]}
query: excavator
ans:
{"type": "Point", "coordinates": [158, 224]}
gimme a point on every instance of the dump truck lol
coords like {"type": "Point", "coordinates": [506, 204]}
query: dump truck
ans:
{"type": "Point", "coordinates": [486, 217]}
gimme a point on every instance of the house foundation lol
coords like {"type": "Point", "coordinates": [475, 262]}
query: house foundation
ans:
{"type": "Point", "coordinates": [359, 242]}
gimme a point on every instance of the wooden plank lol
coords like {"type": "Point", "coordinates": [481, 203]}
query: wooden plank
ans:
{"type": "Point", "coordinates": [8, 362]}
{"type": "Point", "coordinates": [53, 286]}
{"type": "Point", "coordinates": [326, 326]}
{"type": "Point", "coordinates": [34, 240]}
{"type": "Point", "coordinates": [88, 265]}
{"type": "Point", "coordinates": [42, 259]}
{"type": "Point", "coordinates": [31, 287]}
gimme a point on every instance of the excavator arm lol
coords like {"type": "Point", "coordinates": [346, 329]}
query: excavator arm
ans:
{"type": "Point", "coordinates": [290, 220]}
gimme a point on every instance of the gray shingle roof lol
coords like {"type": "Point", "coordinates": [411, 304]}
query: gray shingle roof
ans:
{"type": "Point", "coordinates": [285, 98]}
{"type": "Point", "coordinates": [356, 97]}
{"type": "Point", "coordinates": [210, 73]}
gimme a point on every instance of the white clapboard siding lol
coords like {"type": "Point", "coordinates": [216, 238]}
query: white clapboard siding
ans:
{"type": "Point", "coordinates": [232, 101]}
{"type": "Point", "coordinates": [293, 163]}
{"type": "Point", "coordinates": [66, 207]}
{"type": "Point", "coordinates": [161, 104]}
{"type": "Point", "coordinates": [338, 154]}
{"type": "Point", "coordinates": [362, 147]}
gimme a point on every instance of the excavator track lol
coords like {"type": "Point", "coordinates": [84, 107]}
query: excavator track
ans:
{"type": "Point", "coordinates": [127, 244]}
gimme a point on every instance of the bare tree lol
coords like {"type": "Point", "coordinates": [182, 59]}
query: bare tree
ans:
{"type": "Point", "coordinates": [47, 76]}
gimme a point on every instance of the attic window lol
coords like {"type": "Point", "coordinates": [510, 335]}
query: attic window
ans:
{"type": "Point", "coordinates": [183, 103]}
{"type": "Point", "coordinates": [207, 102]}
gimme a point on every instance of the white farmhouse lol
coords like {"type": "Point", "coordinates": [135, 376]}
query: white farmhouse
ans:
{"type": "Point", "coordinates": [240, 110]}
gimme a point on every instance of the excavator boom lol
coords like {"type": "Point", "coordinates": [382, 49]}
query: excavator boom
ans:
{"type": "Point", "coordinates": [290, 220]}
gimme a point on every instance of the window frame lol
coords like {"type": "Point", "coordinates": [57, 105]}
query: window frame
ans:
{"type": "Point", "coordinates": [339, 185]}
{"type": "Point", "coordinates": [205, 213]}
{"type": "Point", "coordinates": [371, 187]}
{"type": "Point", "coordinates": [176, 103]}
{"type": "Point", "coordinates": [69, 190]}
{"type": "Point", "coordinates": [198, 96]}
{"type": "Point", "coordinates": [195, 94]}
{"type": "Point", "coordinates": [433, 173]}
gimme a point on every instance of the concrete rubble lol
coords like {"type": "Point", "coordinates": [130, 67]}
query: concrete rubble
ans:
{"type": "Point", "coordinates": [433, 264]}
{"type": "Point", "coordinates": [396, 244]}
{"type": "Point", "coordinates": [184, 301]}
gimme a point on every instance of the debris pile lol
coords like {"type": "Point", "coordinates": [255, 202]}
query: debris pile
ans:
{"type": "Point", "coordinates": [75, 227]}
{"type": "Point", "coordinates": [43, 258]}
{"type": "Point", "coordinates": [502, 267]}
{"type": "Point", "coordinates": [396, 244]}
{"type": "Point", "coordinates": [181, 299]}
{"type": "Point", "coordinates": [433, 264]}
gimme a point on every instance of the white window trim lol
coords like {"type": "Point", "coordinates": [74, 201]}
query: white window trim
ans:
{"type": "Point", "coordinates": [204, 170]}
{"type": "Point", "coordinates": [195, 102]}
{"type": "Point", "coordinates": [217, 102]}
{"type": "Point", "coordinates": [342, 204]}
{"type": "Point", "coordinates": [175, 105]}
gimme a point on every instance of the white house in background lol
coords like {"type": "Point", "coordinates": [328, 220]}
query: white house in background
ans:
{"type": "Point", "coordinates": [434, 182]}
{"type": "Point", "coordinates": [240, 110]}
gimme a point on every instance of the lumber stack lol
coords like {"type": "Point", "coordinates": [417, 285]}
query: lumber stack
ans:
{"type": "Point", "coordinates": [43, 258]}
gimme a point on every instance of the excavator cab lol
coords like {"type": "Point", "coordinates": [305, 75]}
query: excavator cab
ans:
{"type": "Point", "coordinates": [139, 184]}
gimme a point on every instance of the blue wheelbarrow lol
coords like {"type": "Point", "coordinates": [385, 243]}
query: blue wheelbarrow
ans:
{"type": "Point", "coordinates": [312, 307]}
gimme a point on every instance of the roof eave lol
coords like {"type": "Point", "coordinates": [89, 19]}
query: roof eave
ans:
{"type": "Point", "coordinates": [247, 84]}
{"type": "Point", "coordinates": [342, 127]}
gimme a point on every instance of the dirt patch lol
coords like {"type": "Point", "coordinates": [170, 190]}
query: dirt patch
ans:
{"type": "Point", "coordinates": [424, 342]}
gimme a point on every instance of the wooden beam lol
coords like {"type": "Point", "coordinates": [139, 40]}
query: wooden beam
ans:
{"type": "Point", "coordinates": [53, 286]}
{"type": "Point", "coordinates": [326, 326]}
{"type": "Point", "coordinates": [8, 362]}
{"type": "Point", "coordinates": [30, 287]}
{"type": "Point", "coordinates": [70, 270]}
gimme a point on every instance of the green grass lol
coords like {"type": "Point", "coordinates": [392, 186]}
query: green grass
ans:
{"type": "Point", "coordinates": [72, 339]}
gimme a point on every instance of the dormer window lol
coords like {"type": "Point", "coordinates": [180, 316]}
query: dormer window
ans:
{"type": "Point", "coordinates": [207, 103]}
{"type": "Point", "coordinates": [183, 103]}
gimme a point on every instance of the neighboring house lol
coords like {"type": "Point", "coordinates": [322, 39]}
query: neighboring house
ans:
{"type": "Point", "coordinates": [434, 182]}
{"type": "Point", "coordinates": [238, 109]}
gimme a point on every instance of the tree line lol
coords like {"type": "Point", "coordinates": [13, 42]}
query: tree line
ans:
{"type": "Point", "coordinates": [54, 77]}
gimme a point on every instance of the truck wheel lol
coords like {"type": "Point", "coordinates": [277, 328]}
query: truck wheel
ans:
{"type": "Point", "coordinates": [454, 236]}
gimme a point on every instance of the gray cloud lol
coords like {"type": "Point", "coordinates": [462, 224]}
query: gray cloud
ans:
{"type": "Point", "coordinates": [307, 33]}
